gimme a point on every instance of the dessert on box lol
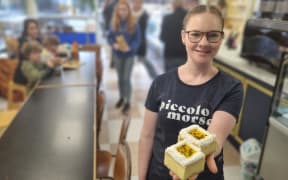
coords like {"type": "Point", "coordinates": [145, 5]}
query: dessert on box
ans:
{"type": "Point", "coordinates": [199, 137]}
{"type": "Point", "coordinates": [184, 159]}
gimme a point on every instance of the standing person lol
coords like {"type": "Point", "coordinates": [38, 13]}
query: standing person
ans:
{"type": "Point", "coordinates": [194, 93]}
{"type": "Point", "coordinates": [30, 32]}
{"type": "Point", "coordinates": [142, 17]}
{"type": "Point", "coordinates": [124, 38]}
{"type": "Point", "coordinates": [174, 51]}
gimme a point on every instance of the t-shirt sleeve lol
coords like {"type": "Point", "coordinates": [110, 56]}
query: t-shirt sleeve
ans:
{"type": "Point", "coordinates": [232, 102]}
{"type": "Point", "coordinates": [152, 101]}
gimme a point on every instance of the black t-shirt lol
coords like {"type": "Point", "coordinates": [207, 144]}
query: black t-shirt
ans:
{"type": "Point", "coordinates": [179, 105]}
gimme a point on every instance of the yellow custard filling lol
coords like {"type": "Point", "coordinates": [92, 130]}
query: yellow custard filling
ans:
{"type": "Point", "coordinates": [185, 150]}
{"type": "Point", "coordinates": [197, 134]}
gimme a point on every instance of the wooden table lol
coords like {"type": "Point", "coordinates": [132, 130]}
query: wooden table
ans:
{"type": "Point", "coordinates": [53, 136]}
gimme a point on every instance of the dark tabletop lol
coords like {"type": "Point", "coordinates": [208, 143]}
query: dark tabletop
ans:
{"type": "Point", "coordinates": [84, 75]}
{"type": "Point", "coordinates": [51, 138]}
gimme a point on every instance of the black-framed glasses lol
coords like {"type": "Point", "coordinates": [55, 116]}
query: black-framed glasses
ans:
{"type": "Point", "coordinates": [211, 36]}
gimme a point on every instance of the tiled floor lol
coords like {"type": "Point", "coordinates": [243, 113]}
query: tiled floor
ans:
{"type": "Point", "coordinates": [112, 118]}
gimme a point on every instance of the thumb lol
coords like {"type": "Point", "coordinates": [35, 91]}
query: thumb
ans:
{"type": "Point", "coordinates": [211, 163]}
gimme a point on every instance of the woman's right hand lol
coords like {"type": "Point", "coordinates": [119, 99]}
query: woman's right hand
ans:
{"type": "Point", "coordinates": [115, 46]}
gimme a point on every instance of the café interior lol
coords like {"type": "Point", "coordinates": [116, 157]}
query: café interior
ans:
{"type": "Point", "coordinates": [66, 127]}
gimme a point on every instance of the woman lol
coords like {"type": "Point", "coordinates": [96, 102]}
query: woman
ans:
{"type": "Point", "coordinates": [30, 32]}
{"type": "Point", "coordinates": [194, 93]}
{"type": "Point", "coordinates": [124, 38]}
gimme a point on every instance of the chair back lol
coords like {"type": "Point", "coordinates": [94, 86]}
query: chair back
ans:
{"type": "Point", "coordinates": [99, 72]}
{"type": "Point", "coordinates": [12, 45]}
{"type": "Point", "coordinates": [7, 70]}
{"type": "Point", "coordinates": [16, 95]}
{"type": "Point", "coordinates": [124, 129]}
{"type": "Point", "coordinates": [99, 114]}
{"type": "Point", "coordinates": [6, 117]}
{"type": "Point", "coordinates": [122, 168]}
{"type": "Point", "coordinates": [98, 62]}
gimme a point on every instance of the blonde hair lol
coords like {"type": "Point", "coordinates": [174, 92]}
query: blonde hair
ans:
{"type": "Point", "coordinates": [202, 9]}
{"type": "Point", "coordinates": [116, 19]}
{"type": "Point", "coordinates": [30, 47]}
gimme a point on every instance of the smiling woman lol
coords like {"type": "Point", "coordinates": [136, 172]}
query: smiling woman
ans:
{"type": "Point", "coordinates": [194, 93]}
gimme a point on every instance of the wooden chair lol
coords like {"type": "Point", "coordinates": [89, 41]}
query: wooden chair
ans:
{"type": "Point", "coordinates": [6, 118]}
{"type": "Point", "coordinates": [7, 69]}
{"type": "Point", "coordinates": [12, 45]}
{"type": "Point", "coordinates": [16, 95]}
{"type": "Point", "coordinates": [99, 72]}
{"type": "Point", "coordinates": [122, 166]}
{"type": "Point", "coordinates": [99, 114]}
{"type": "Point", "coordinates": [98, 62]}
{"type": "Point", "coordinates": [124, 129]}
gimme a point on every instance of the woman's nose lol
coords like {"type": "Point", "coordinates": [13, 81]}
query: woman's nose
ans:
{"type": "Point", "coordinates": [203, 40]}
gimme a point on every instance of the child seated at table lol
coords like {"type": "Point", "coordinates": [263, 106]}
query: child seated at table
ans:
{"type": "Point", "coordinates": [50, 50]}
{"type": "Point", "coordinates": [32, 69]}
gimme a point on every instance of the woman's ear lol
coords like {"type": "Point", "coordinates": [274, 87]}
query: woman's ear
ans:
{"type": "Point", "coordinates": [183, 37]}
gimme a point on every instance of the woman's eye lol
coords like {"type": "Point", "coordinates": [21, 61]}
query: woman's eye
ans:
{"type": "Point", "coordinates": [194, 34]}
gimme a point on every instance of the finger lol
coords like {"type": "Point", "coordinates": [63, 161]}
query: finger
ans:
{"type": "Point", "coordinates": [173, 176]}
{"type": "Point", "coordinates": [211, 164]}
{"type": "Point", "coordinates": [193, 177]}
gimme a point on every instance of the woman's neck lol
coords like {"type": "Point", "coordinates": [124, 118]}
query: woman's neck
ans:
{"type": "Point", "coordinates": [196, 74]}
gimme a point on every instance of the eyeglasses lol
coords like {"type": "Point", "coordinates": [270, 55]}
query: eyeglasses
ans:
{"type": "Point", "coordinates": [211, 36]}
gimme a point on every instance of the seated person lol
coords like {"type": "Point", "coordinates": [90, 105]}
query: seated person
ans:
{"type": "Point", "coordinates": [31, 31]}
{"type": "Point", "coordinates": [50, 50]}
{"type": "Point", "coordinates": [31, 69]}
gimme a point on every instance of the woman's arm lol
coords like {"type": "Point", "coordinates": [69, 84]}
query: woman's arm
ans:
{"type": "Point", "coordinates": [146, 142]}
{"type": "Point", "coordinates": [221, 125]}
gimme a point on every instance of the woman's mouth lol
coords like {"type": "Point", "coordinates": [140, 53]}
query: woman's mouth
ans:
{"type": "Point", "coordinates": [203, 52]}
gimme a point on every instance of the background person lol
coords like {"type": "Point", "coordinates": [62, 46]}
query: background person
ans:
{"type": "Point", "coordinates": [174, 51]}
{"type": "Point", "coordinates": [124, 38]}
{"type": "Point", "coordinates": [30, 31]}
{"type": "Point", "coordinates": [142, 17]}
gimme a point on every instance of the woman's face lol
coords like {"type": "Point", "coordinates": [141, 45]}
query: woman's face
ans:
{"type": "Point", "coordinates": [123, 11]}
{"type": "Point", "coordinates": [201, 52]}
{"type": "Point", "coordinates": [33, 30]}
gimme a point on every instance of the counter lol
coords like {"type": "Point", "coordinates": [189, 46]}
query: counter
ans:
{"type": "Point", "coordinates": [258, 84]}
{"type": "Point", "coordinates": [232, 58]}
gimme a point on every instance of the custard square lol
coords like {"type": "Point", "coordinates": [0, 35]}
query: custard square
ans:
{"type": "Point", "coordinates": [200, 138]}
{"type": "Point", "coordinates": [184, 159]}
